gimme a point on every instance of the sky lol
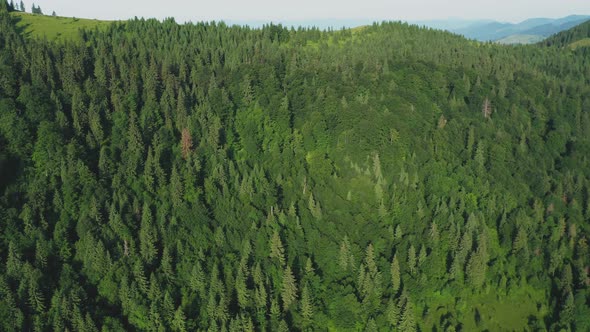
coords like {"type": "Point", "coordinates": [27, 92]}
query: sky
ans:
{"type": "Point", "coordinates": [308, 10]}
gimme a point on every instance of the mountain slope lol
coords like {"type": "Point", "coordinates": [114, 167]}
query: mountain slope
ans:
{"type": "Point", "coordinates": [54, 28]}
{"type": "Point", "coordinates": [520, 39]}
{"type": "Point", "coordinates": [202, 177]}
{"type": "Point", "coordinates": [574, 35]}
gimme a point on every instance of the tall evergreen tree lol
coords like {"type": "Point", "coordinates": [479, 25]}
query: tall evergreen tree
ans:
{"type": "Point", "coordinates": [276, 248]}
{"type": "Point", "coordinates": [289, 288]}
{"type": "Point", "coordinates": [395, 274]}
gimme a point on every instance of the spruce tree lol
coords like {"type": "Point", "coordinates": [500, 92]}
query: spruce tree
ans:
{"type": "Point", "coordinates": [395, 275]}
{"type": "Point", "coordinates": [276, 248]}
{"type": "Point", "coordinates": [147, 237]}
{"type": "Point", "coordinates": [306, 306]}
{"type": "Point", "coordinates": [412, 259]}
{"type": "Point", "coordinates": [407, 320]}
{"type": "Point", "coordinates": [289, 288]}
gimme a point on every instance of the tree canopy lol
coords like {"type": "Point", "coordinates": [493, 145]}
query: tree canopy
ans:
{"type": "Point", "coordinates": [206, 177]}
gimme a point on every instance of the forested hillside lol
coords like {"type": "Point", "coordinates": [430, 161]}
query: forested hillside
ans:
{"type": "Point", "coordinates": [576, 37]}
{"type": "Point", "coordinates": [202, 177]}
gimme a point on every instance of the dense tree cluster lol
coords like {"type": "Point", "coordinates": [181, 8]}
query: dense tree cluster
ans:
{"type": "Point", "coordinates": [12, 6]}
{"type": "Point", "coordinates": [168, 177]}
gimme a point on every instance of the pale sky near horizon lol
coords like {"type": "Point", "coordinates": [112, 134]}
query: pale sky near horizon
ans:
{"type": "Point", "coordinates": [281, 10]}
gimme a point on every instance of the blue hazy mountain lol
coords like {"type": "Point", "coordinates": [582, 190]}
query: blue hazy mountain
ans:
{"type": "Point", "coordinates": [535, 28]}
{"type": "Point", "coordinates": [451, 24]}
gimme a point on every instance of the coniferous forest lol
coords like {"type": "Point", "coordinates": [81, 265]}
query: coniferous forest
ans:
{"type": "Point", "coordinates": [157, 176]}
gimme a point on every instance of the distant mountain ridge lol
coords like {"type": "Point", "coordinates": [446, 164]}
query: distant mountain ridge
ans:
{"type": "Point", "coordinates": [450, 24]}
{"type": "Point", "coordinates": [534, 29]}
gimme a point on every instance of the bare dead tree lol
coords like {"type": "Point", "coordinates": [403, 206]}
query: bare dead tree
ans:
{"type": "Point", "coordinates": [442, 122]}
{"type": "Point", "coordinates": [187, 143]}
{"type": "Point", "coordinates": [486, 108]}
